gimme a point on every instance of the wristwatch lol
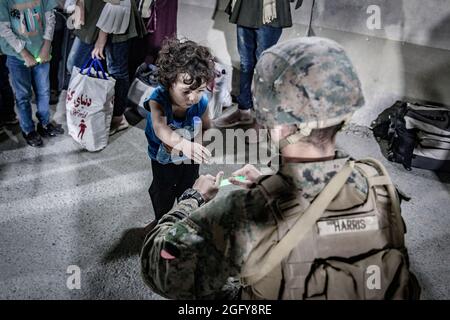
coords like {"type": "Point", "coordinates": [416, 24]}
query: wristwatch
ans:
{"type": "Point", "coordinates": [192, 194]}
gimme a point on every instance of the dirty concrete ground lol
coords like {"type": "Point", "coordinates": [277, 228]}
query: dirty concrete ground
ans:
{"type": "Point", "coordinates": [61, 206]}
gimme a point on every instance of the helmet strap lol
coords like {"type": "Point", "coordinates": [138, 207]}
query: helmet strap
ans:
{"type": "Point", "coordinates": [306, 129]}
{"type": "Point", "coordinates": [299, 135]}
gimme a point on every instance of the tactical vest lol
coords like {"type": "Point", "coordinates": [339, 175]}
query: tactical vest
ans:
{"type": "Point", "coordinates": [341, 247]}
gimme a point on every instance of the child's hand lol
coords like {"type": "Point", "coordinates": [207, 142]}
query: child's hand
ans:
{"type": "Point", "coordinates": [44, 54]}
{"type": "Point", "coordinates": [30, 61]}
{"type": "Point", "coordinates": [195, 151]}
{"type": "Point", "coordinates": [168, 148]}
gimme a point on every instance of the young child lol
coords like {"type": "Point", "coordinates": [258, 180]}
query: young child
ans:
{"type": "Point", "coordinates": [185, 70]}
{"type": "Point", "coordinates": [26, 33]}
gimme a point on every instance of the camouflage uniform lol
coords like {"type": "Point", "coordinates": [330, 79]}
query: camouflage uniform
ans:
{"type": "Point", "coordinates": [210, 244]}
{"type": "Point", "coordinates": [193, 252]}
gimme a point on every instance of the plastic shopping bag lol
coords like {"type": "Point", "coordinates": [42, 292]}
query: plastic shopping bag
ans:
{"type": "Point", "coordinates": [89, 105]}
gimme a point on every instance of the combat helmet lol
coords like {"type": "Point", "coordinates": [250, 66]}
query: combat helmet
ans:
{"type": "Point", "coordinates": [308, 82]}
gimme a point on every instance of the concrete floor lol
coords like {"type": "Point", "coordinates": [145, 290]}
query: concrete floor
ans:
{"type": "Point", "coordinates": [61, 206]}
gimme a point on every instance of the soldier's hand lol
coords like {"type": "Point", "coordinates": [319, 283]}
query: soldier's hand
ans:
{"type": "Point", "coordinates": [208, 186]}
{"type": "Point", "coordinates": [250, 173]}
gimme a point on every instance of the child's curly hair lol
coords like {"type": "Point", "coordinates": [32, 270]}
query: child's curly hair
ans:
{"type": "Point", "coordinates": [185, 56]}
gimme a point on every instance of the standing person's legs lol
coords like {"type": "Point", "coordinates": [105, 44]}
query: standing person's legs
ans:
{"type": "Point", "coordinates": [136, 56]}
{"type": "Point", "coordinates": [247, 45]}
{"type": "Point", "coordinates": [162, 189]}
{"type": "Point", "coordinates": [72, 57]}
{"type": "Point", "coordinates": [79, 54]}
{"type": "Point", "coordinates": [247, 53]}
{"type": "Point", "coordinates": [266, 37]}
{"type": "Point", "coordinates": [21, 81]}
{"type": "Point", "coordinates": [41, 85]}
{"type": "Point", "coordinates": [117, 61]}
{"type": "Point", "coordinates": [188, 174]}
{"type": "Point", "coordinates": [160, 29]}
{"type": "Point", "coordinates": [57, 44]}
{"type": "Point", "coordinates": [7, 113]}
{"type": "Point", "coordinates": [3, 78]}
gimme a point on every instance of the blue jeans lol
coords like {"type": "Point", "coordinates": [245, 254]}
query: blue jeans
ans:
{"type": "Point", "coordinates": [24, 80]}
{"type": "Point", "coordinates": [117, 63]}
{"type": "Point", "coordinates": [251, 44]}
{"type": "Point", "coordinates": [71, 59]}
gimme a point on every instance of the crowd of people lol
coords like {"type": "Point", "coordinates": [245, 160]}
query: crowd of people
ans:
{"type": "Point", "coordinates": [35, 32]}
{"type": "Point", "coordinates": [107, 30]}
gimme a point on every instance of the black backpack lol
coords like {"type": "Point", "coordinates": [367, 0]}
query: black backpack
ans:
{"type": "Point", "coordinates": [416, 135]}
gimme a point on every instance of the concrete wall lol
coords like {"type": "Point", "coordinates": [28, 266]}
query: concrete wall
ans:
{"type": "Point", "coordinates": [425, 23]}
{"type": "Point", "coordinates": [408, 57]}
{"type": "Point", "coordinates": [419, 22]}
